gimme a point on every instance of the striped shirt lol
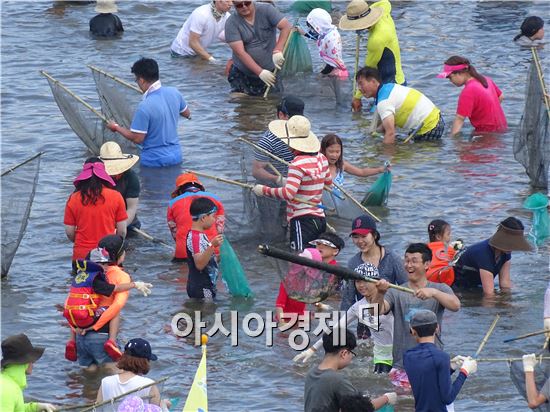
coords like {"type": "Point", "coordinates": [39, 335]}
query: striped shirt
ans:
{"type": "Point", "coordinates": [307, 175]}
{"type": "Point", "coordinates": [277, 147]}
{"type": "Point", "coordinates": [409, 107]}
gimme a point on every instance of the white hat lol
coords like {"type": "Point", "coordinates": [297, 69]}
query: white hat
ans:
{"type": "Point", "coordinates": [296, 133]}
{"type": "Point", "coordinates": [115, 161]}
{"type": "Point", "coordinates": [106, 6]}
{"type": "Point", "coordinates": [360, 16]}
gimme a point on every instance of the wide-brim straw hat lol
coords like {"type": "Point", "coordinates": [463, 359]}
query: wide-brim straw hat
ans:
{"type": "Point", "coordinates": [115, 161]}
{"type": "Point", "coordinates": [509, 240]}
{"type": "Point", "coordinates": [296, 133]}
{"type": "Point", "coordinates": [106, 7]}
{"type": "Point", "coordinates": [359, 15]}
{"type": "Point", "coordinates": [18, 350]}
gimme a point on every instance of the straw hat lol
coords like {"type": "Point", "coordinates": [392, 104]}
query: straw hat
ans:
{"type": "Point", "coordinates": [509, 239]}
{"type": "Point", "coordinates": [115, 161]}
{"type": "Point", "coordinates": [360, 16]}
{"type": "Point", "coordinates": [106, 6]}
{"type": "Point", "coordinates": [296, 133]}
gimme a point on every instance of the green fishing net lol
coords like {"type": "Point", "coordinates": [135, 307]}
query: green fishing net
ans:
{"type": "Point", "coordinates": [379, 192]}
{"type": "Point", "coordinates": [305, 6]}
{"type": "Point", "coordinates": [297, 56]}
{"type": "Point", "coordinates": [540, 229]}
{"type": "Point", "coordinates": [232, 272]}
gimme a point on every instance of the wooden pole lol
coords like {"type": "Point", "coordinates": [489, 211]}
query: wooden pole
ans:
{"type": "Point", "coordinates": [487, 335]}
{"type": "Point", "coordinates": [357, 44]}
{"type": "Point", "coordinates": [539, 358]}
{"type": "Point", "coordinates": [527, 335]}
{"type": "Point", "coordinates": [541, 79]}
{"type": "Point", "coordinates": [268, 88]}
{"type": "Point", "coordinates": [116, 79]}
{"type": "Point", "coordinates": [147, 236]}
{"type": "Point", "coordinates": [11, 169]}
{"type": "Point", "coordinates": [413, 133]}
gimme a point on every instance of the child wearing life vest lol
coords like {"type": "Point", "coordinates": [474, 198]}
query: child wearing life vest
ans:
{"type": "Point", "coordinates": [440, 270]}
{"type": "Point", "coordinates": [82, 307]}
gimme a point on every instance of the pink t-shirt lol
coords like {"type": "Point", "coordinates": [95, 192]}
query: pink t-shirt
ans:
{"type": "Point", "coordinates": [482, 107]}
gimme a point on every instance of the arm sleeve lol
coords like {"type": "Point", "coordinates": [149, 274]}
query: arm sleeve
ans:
{"type": "Point", "coordinates": [281, 297]}
{"type": "Point", "coordinates": [102, 287]}
{"type": "Point", "coordinates": [293, 182]}
{"type": "Point", "coordinates": [398, 268]}
{"type": "Point", "coordinates": [265, 144]}
{"type": "Point", "coordinates": [348, 295]}
{"type": "Point", "coordinates": [375, 47]}
{"type": "Point", "coordinates": [232, 33]}
{"type": "Point", "coordinates": [273, 15]}
{"type": "Point", "coordinates": [385, 109]}
{"type": "Point", "coordinates": [133, 186]}
{"type": "Point", "coordinates": [197, 22]}
{"type": "Point", "coordinates": [183, 103]}
{"type": "Point", "coordinates": [140, 122]}
{"type": "Point", "coordinates": [465, 103]}
{"type": "Point", "coordinates": [119, 301]}
{"type": "Point", "coordinates": [448, 391]}
{"type": "Point", "coordinates": [69, 218]}
{"type": "Point", "coordinates": [499, 92]}
{"type": "Point", "coordinates": [547, 302]}
{"type": "Point", "coordinates": [121, 208]}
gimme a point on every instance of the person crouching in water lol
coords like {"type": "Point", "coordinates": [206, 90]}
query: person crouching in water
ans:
{"type": "Point", "coordinates": [203, 269]}
{"type": "Point", "coordinates": [308, 173]}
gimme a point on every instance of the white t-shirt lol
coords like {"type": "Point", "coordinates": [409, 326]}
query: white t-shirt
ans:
{"type": "Point", "coordinates": [111, 386]}
{"type": "Point", "coordinates": [202, 22]}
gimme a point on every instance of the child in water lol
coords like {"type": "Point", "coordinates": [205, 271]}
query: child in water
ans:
{"type": "Point", "coordinates": [443, 252]}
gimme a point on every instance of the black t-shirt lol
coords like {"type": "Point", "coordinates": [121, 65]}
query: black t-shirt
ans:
{"type": "Point", "coordinates": [128, 185]}
{"type": "Point", "coordinates": [102, 287]}
{"type": "Point", "coordinates": [106, 25]}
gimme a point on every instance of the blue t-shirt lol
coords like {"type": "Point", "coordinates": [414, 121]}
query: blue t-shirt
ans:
{"type": "Point", "coordinates": [478, 256]}
{"type": "Point", "coordinates": [429, 372]}
{"type": "Point", "coordinates": [157, 116]}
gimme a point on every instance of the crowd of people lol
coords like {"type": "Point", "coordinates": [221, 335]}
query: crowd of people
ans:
{"type": "Point", "coordinates": [293, 167]}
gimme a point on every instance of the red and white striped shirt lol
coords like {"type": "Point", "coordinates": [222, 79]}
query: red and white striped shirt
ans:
{"type": "Point", "coordinates": [307, 175]}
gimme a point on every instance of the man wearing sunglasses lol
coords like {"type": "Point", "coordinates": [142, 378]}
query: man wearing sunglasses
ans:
{"type": "Point", "coordinates": [252, 35]}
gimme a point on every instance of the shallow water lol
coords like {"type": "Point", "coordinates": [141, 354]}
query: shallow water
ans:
{"type": "Point", "coordinates": [472, 184]}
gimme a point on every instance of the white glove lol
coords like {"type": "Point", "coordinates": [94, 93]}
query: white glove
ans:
{"type": "Point", "coordinates": [547, 326]}
{"type": "Point", "coordinates": [258, 190]}
{"type": "Point", "coordinates": [278, 60]}
{"type": "Point", "coordinates": [323, 307]}
{"type": "Point", "coordinates": [529, 362]}
{"type": "Point", "coordinates": [469, 365]}
{"type": "Point", "coordinates": [143, 287]}
{"type": "Point", "coordinates": [457, 361]}
{"type": "Point", "coordinates": [267, 77]}
{"type": "Point", "coordinates": [48, 407]}
{"type": "Point", "coordinates": [392, 398]}
{"type": "Point", "coordinates": [281, 181]}
{"type": "Point", "coordinates": [212, 59]}
{"type": "Point", "coordinates": [304, 356]}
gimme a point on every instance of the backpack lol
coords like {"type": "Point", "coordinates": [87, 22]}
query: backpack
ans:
{"type": "Point", "coordinates": [82, 302]}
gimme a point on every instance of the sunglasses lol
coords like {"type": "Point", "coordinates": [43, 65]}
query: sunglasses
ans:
{"type": "Point", "coordinates": [352, 352]}
{"type": "Point", "coordinates": [242, 4]}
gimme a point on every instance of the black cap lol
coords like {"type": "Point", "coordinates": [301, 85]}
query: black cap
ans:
{"type": "Point", "coordinates": [114, 244]}
{"type": "Point", "coordinates": [291, 105]}
{"type": "Point", "coordinates": [139, 348]}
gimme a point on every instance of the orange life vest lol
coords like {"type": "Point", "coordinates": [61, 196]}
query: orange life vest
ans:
{"type": "Point", "coordinates": [440, 270]}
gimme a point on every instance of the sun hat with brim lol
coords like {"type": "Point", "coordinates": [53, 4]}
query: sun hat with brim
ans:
{"type": "Point", "coordinates": [296, 133]}
{"type": "Point", "coordinates": [106, 7]}
{"type": "Point", "coordinates": [18, 350]}
{"type": "Point", "coordinates": [97, 169]}
{"type": "Point", "coordinates": [509, 240]}
{"type": "Point", "coordinates": [115, 161]}
{"type": "Point", "coordinates": [449, 69]}
{"type": "Point", "coordinates": [360, 16]}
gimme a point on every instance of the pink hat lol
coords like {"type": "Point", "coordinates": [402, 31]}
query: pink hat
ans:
{"type": "Point", "coordinates": [448, 69]}
{"type": "Point", "coordinates": [98, 169]}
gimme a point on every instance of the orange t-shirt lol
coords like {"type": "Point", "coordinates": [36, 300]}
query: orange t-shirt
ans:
{"type": "Point", "coordinates": [178, 212]}
{"type": "Point", "coordinates": [114, 303]}
{"type": "Point", "coordinates": [93, 221]}
{"type": "Point", "coordinates": [439, 270]}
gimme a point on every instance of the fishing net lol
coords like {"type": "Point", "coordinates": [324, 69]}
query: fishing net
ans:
{"type": "Point", "coordinates": [297, 56]}
{"type": "Point", "coordinates": [88, 126]}
{"type": "Point", "coordinates": [308, 285]}
{"type": "Point", "coordinates": [18, 189]}
{"type": "Point", "coordinates": [305, 6]}
{"type": "Point", "coordinates": [542, 373]}
{"type": "Point", "coordinates": [379, 192]}
{"type": "Point", "coordinates": [339, 206]}
{"type": "Point", "coordinates": [232, 272]}
{"type": "Point", "coordinates": [532, 141]}
{"type": "Point", "coordinates": [540, 229]}
{"type": "Point", "coordinates": [118, 99]}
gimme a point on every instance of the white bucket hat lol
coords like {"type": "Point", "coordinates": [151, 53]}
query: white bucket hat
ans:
{"type": "Point", "coordinates": [106, 6]}
{"type": "Point", "coordinates": [115, 161]}
{"type": "Point", "coordinates": [296, 133]}
{"type": "Point", "coordinates": [360, 16]}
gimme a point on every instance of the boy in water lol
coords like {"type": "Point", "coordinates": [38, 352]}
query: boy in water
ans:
{"type": "Point", "coordinates": [203, 269]}
{"type": "Point", "coordinates": [429, 368]}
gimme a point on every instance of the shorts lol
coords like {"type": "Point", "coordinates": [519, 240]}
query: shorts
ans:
{"type": "Point", "coordinates": [399, 378]}
{"type": "Point", "coordinates": [199, 292]}
{"type": "Point", "coordinates": [304, 229]}
{"type": "Point", "coordinates": [434, 134]}
{"type": "Point", "coordinates": [252, 85]}
{"type": "Point", "coordinates": [89, 349]}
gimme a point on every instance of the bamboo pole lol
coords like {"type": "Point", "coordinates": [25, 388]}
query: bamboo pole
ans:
{"type": "Point", "coordinates": [413, 133]}
{"type": "Point", "coordinates": [527, 335]}
{"type": "Point", "coordinates": [116, 79]}
{"type": "Point", "coordinates": [276, 69]}
{"type": "Point", "coordinates": [541, 79]}
{"type": "Point", "coordinates": [487, 335]}
{"type": "Point", "coordinates": [147, 236]}
{"type": "Point", "coordinates": [539, 358]}
{"type": "Point", "coordinates": [357, 44]}
{"type": "Point", "coordinates": [334, 269]}
{"type": "Point", "coordinates": [274, 169]}
{"type": "Point", "coordinates": [79, 99]}
{"type": "Point", "coordinates": [11, 169]}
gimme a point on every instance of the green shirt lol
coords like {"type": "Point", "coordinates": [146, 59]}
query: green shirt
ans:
{"type": "Point", "coordinates": [12, 381]}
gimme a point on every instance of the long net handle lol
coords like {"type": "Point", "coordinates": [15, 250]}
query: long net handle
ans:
{"type": "Point", "coordinates": [276, 69]}
{"type": "Point", "coordinates": [116, 79]}
{"type": "Point", "coordinates": [487, 335]}
{"type": "Point", "coordinates": [357, 45]}
{"type": "Point", "coordinates": [30, 159]}
{"type": "Point", "coordinates": [541, 79]}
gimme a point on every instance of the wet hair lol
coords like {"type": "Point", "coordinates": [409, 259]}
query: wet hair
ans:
{"type": "Point", "coordinates": [147, 69]}
{"type": "Point", "coordinates": [530, 26]}
{"type": "Point", "coordinates": [356, 403]}
{"type": "Point", "coordinates": [368, 73]}
{"type": "Point", "coordinates": [425, 330]}
{"type": "Point", "coordinates": [512, 223]}
{"type": "Point", "coordinates": [90, 189]}
{"type": "Point", "coordinates": [139, 366]}
{"type": "Point", "coordinates": [456, 60]}
{"type": "Point", "coordinates": [332, 139]}
{"type": "Point", "coordinates": [436, 227]}
{"type": "Point", "coordinates": [330, 347]}
{"type": "Point", "coordinates": [421, 248]}
{"type": "Point", "coordinates": [201, 206]}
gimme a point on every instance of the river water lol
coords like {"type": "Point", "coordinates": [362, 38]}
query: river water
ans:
{"type": "Point", "coordinates": [472, 184]}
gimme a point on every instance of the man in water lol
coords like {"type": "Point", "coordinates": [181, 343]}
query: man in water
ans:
{"type": "Point", "coordinates": [251, 34]}
{"type": "Point", "coordinates": [155, 123]}
{"type": "Point", "coordinates": [106, 24]}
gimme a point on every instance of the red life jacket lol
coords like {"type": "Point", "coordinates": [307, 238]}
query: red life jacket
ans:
{"type": "Point", "coordinates": [440, 270]}
{"type": "Point", "coordinates": [82, 302]}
